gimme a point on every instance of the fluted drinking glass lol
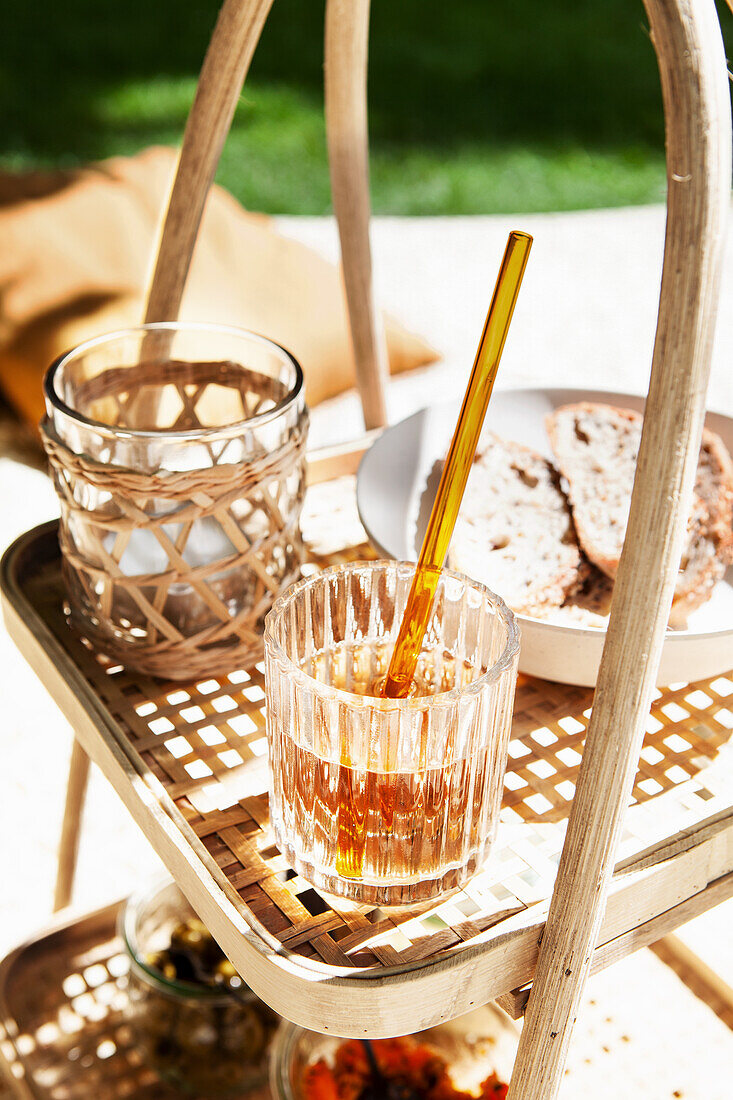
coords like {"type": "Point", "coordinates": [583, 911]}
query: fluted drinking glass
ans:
{"type": "Point", "coordinates": [387, 801]}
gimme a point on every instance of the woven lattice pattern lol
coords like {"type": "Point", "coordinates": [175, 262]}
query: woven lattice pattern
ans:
{"type": "Point", "coordinates": [64, 1010]}
{"type": "Point", "coordinates": [174, 552]}
{"type": "Point", "coordinates": [205, 741]}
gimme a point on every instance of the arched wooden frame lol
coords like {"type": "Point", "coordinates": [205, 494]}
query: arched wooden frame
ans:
{"type": "Point", "coordinates": [687, 39]}
{"type": "Point", "coordinates": [225, 67]}
{"type": "Point", "coordinates": [686, 36]}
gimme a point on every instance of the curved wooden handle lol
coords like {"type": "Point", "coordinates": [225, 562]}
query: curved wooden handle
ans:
{"type": "Point", "coordinates": [227, 60]}
{"type": "Point", "coordinates": [347, 38]}
{"type": "Point", "coordinates": [692, 65]}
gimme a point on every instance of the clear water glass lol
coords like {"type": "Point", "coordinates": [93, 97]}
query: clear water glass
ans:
{"type": "Point", "coordinates": [178, 455]}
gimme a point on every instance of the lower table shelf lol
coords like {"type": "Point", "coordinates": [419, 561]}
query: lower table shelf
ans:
{"type": "Point", "coordinates": [63, 1037]}
{"type": "Point", "coordinates": [188, 761]}
{"type": "Point", "coordinates": [63, 1030]}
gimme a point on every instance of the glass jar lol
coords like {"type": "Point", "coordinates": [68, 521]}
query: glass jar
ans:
{"type": "Point", "coordinates": [387, 801]}
{"type": "Point", "coordinates": [203, 1041]}
{"type": "Point", "coordinates": [178, 455]}
{"type": "Point", "coordinates": [482, 1042]}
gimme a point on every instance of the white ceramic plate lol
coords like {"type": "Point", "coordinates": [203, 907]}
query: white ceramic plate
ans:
{"type": "Point", "coordinates": [396, 486]}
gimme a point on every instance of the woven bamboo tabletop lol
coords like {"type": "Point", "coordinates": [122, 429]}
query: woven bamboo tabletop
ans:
{"type": "Point", "coordinates": [189, 760]}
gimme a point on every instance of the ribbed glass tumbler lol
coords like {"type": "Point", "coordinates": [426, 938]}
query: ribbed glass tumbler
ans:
{"type": "Point", "coordinates": [387, 801]}
{"type": "Point", "coordinates": [178, 455]}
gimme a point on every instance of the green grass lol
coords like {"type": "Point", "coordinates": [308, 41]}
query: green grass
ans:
{"type": "Point", "coordinates": [474, 107]}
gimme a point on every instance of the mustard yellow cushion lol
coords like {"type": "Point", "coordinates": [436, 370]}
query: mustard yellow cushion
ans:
{"type": "Point", "coordinates": [75, 255]}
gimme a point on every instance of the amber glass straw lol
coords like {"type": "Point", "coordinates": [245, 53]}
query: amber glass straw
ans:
{"type": "Point", "coordinates": [456, 469]}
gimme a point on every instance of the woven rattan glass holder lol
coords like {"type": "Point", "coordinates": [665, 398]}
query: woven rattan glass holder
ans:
{"type": "Point", "coordinates": [387, 801]}
{"type": "Point", "coordinates": [178, 455]}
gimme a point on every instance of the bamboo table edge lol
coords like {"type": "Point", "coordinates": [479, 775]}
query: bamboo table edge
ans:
{"type": "Point", "coordinates": [308, 991]}
{"type": "Point", "coordinates": [323, 464]}
{"type": "Point", "coordinates": [78, 930]}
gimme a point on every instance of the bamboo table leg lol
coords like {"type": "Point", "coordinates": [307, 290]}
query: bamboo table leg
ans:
{"type": "Point", "coordinates": [699, 978]}
{"type": "Point", "coordinates": [76, 790]}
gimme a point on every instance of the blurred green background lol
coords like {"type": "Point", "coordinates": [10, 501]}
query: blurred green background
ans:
{"type": "Point", "coordinates": [475, 107]}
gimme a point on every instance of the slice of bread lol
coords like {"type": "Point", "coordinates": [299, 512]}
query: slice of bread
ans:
{"type": "Point", "coordinates": [596, 447]}
{"type": "Point", "coordinates": [515, 532]}
{"type": "Point", "coordinates": [590, 605]}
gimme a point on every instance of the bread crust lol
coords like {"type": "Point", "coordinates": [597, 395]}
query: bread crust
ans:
{"type": "Point", "coordinates": [709, 545]}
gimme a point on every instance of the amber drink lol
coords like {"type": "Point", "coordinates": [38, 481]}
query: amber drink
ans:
{"type": "Point", "coordinates": [387, 801]}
